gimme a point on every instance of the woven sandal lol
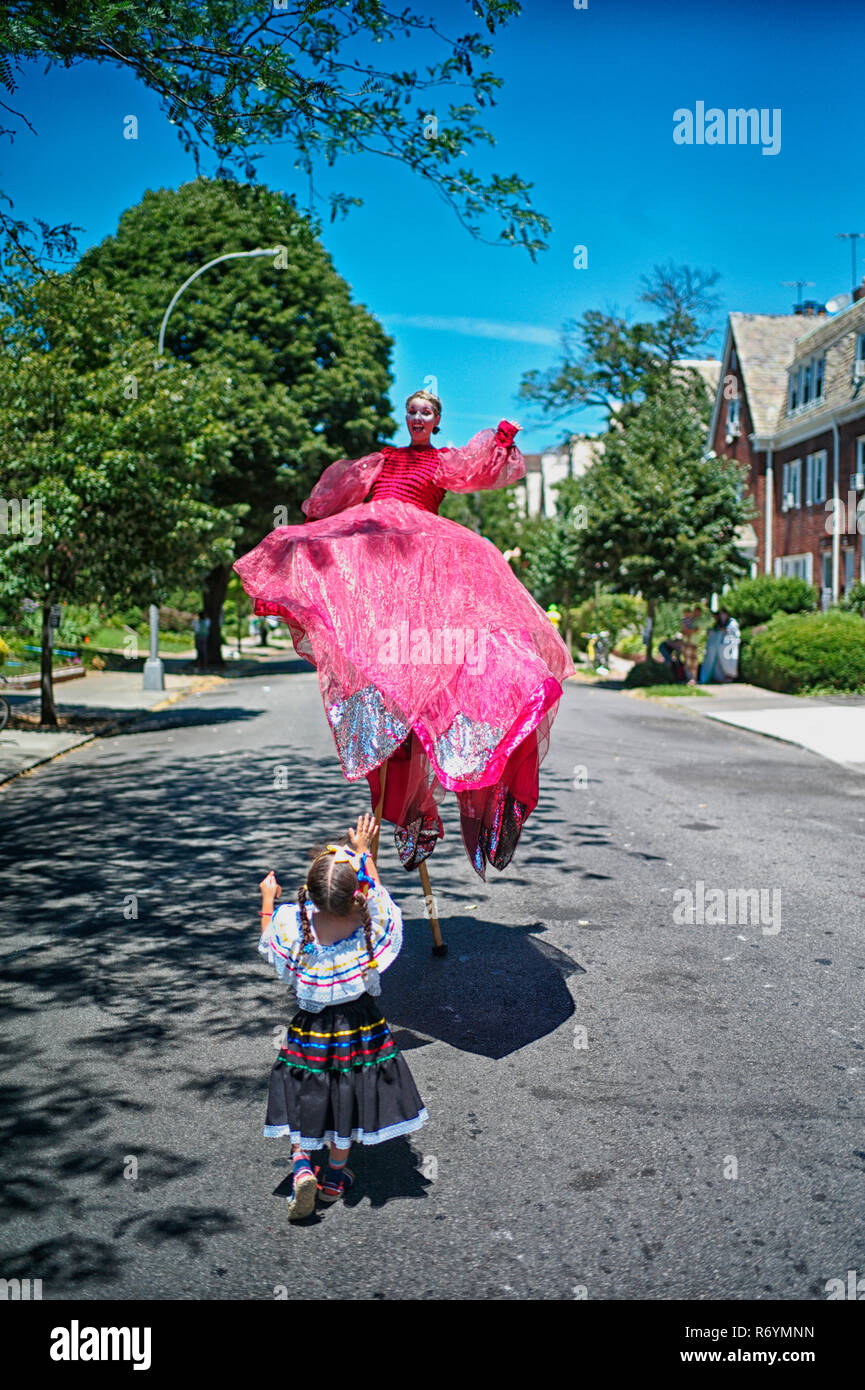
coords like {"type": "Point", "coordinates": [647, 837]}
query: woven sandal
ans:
{"type": "Point", "coordinates": [301, 1203]}
{"type": "Point", "coordinates": [329, 1197]}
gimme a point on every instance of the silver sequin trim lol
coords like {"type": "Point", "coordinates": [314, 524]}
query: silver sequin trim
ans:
{"type": "Point", "coordinates": [463, 750]}
{"type": "Point", "coordinates": [365, 731]}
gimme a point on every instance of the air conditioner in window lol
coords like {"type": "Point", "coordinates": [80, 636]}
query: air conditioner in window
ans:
{"type": "Point", "coordinates": [857, 482]}
{"type": "Point", "coordinates": [789, 501]}
{"type": "Point", "coordinates": [859, 370]}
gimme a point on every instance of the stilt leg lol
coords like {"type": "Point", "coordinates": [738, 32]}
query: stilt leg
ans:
{"type": "Point", "coordinates": [378, 810]}
{"type": "Point", "coordinates": [439, 946]}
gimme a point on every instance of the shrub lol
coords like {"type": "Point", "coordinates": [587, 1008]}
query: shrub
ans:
{"type": "Point", "coordinates": [799, 652]}
{"type": "Point", "coordinates": [754, 601]}
{"type": "Point", "coordinates": [854, 599]}
{"type": "Point", "coordinates": [613, 613]}
{"type": "Point", "coordinates": [630, 645]}
{"type": "Point", "coordinates": [647, 673]}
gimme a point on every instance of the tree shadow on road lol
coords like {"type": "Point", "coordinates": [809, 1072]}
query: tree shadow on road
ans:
{"type": "Point", "coordinates": [137, 930]}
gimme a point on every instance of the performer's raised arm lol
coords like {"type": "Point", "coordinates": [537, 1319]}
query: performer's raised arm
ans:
{"type": "Point", "coordinates": [343, 484]}
{"type": "Point", "coordinates": [490, 460]}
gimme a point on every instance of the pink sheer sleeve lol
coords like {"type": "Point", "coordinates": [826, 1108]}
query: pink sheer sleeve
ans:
{"type": "Point", "coordinates": [342, 484]}
{"type": "Point", "coordinates": [489, 460]}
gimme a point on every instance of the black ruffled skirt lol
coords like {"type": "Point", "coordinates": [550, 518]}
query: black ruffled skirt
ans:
{"type": "Point", "coordinates": [340, 1079]}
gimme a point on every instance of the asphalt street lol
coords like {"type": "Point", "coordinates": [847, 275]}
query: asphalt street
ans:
{"type": "Point", "coordinates": [622, 1105]}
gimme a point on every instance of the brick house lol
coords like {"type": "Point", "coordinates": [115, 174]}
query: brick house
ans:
{"type": "Point", "coordinates": [790, 407]}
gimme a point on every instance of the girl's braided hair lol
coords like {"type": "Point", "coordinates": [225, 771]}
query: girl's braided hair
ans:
{"type": "Point", "coordinates": [333, 888]}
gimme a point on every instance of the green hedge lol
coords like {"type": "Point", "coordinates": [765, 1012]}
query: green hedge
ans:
{"type": "Point", "coordinates": [854, 599]}
{"type": "Point", "coordinates": [801, 652]}
{"type": "Point", "coordinates": [647, 673]}
{"type": "Point", "coordinates": [755, 601]}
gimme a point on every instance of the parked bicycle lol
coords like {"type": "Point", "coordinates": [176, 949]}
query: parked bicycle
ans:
{"type": "Point", "coordinates": [598, 651]}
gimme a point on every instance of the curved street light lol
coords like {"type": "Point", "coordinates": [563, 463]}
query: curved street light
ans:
{"type": "Point", "coordinates": [154, 671]}
{"type": "Point", "coordinates": [229, 256]}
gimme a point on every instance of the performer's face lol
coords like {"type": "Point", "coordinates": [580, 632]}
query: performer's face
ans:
{"type": "Point", "coordinates": [420, 417]}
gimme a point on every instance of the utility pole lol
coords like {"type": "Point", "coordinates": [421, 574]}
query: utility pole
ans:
{"type": "Point", "coordinates": [852, 237]}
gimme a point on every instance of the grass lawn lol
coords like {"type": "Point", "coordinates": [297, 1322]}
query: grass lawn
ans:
{"type": "Point", "coordinates": [650, 692]}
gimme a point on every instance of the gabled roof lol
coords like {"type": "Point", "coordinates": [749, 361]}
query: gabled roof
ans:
{"type": "Point", "coordinates": [836, 338]}
{"type": "Point", "coordinates": [765, 345]}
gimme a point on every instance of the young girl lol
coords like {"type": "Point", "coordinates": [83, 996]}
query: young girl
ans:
{"type": "Point", "coordinates": [339, 1076]}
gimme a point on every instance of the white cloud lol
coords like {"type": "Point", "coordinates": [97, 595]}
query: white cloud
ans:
{"type": "Point", "coordinates": [477, 328]}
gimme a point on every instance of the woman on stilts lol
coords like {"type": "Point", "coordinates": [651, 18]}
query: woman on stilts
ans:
{"type": "Point", "coordinates": [437, 668]}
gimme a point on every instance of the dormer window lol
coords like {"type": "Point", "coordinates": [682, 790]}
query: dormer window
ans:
{"type": "Point", "coordinates": [805, 385]}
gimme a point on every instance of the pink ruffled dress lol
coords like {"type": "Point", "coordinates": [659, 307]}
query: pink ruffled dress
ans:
{"type": "Point", "coordinates": [429, 650]}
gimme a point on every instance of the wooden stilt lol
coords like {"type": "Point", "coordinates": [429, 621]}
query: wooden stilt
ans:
{"type": "Point", "coordinates": [378, 810]}
{"type": "Point", "coordinates": [439, 946]}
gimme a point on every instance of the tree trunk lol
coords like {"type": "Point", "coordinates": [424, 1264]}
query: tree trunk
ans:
{"type": "Point", "coordinates": [262, 632]}
{"type": "Point", "coordinates": [48, 714]}
{"type": "Point", "coordinates": [215, 588]}
{"type": "Point", "coordinates": [650, 627]}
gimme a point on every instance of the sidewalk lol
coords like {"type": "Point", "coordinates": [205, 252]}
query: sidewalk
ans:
{"type": "Point", "coordinates": [831, 726]}
{"type": "Point", "coordinates": [105, 695]}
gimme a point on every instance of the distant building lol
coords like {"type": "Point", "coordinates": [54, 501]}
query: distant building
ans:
{"type": "Point", "coordinates": [709, 368]}
{"type": "Point", "coordinates": [537, 492]}
{"type": "Point", "coordinates": [790, 407]}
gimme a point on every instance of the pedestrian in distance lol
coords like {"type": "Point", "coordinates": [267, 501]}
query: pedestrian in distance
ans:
{"type": "Point", "coordinates": [201, 628]}
{"type": "Point", "coordinates": [721, 662]}
{"type": "Point", "coordinates": [339, 1077]}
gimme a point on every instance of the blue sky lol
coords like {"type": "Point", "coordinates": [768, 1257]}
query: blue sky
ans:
{"type": "Point", "coordinates": [586, 114]}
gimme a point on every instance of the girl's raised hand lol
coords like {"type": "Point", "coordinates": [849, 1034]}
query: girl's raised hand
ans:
{"type": "Point", "coordinates": [360, 838]}
{"type": "Point", "coordinates": [270, 889]}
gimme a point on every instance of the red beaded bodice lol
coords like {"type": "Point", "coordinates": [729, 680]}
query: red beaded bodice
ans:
{"type": "Point", "coordinates": [406, 476]}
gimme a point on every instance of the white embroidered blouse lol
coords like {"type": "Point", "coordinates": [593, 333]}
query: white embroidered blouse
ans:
{"type": "Point", "coordinates": [339, 972]}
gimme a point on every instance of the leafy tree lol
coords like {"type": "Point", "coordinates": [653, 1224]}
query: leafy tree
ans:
{"type": "Point", "coordinates": [310, 370]}
{"type": "Point", "coordinates": [108, 462]}
{"type": "Point", "coordinates": [554, 571]}
{"type": "Point", "coordinates": [492, 514]}
{"type": "Point", "coordinates": [608, 363]}
{"type": "Point", "coordinates": [235, 76]}
{"type": "Point", "coordinates": [662, 519]}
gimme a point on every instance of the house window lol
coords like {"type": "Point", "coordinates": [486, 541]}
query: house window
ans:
{"type": "Point", "coordinates": [815, 478]}
{"type": "Point", "coordinates": [860, 350]}
{"type": "Point", "coordinates": [827, 569]}
{"type": "Point", "coordinates": [806, 383]}
{"type": "Point", "coordinates": [795, 567]}
{"type": "Point", "coordinates": [860, 454]}
{"type": "Point", "coordinates": [733, 416]}
{"type": "Point", "coordinates": [849, 559]}
{"type": "Point", "coordinates": [791, 485]}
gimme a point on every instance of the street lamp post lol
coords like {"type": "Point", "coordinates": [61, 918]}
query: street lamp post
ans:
{"type": "Point", "coordinates": [154, 671]}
